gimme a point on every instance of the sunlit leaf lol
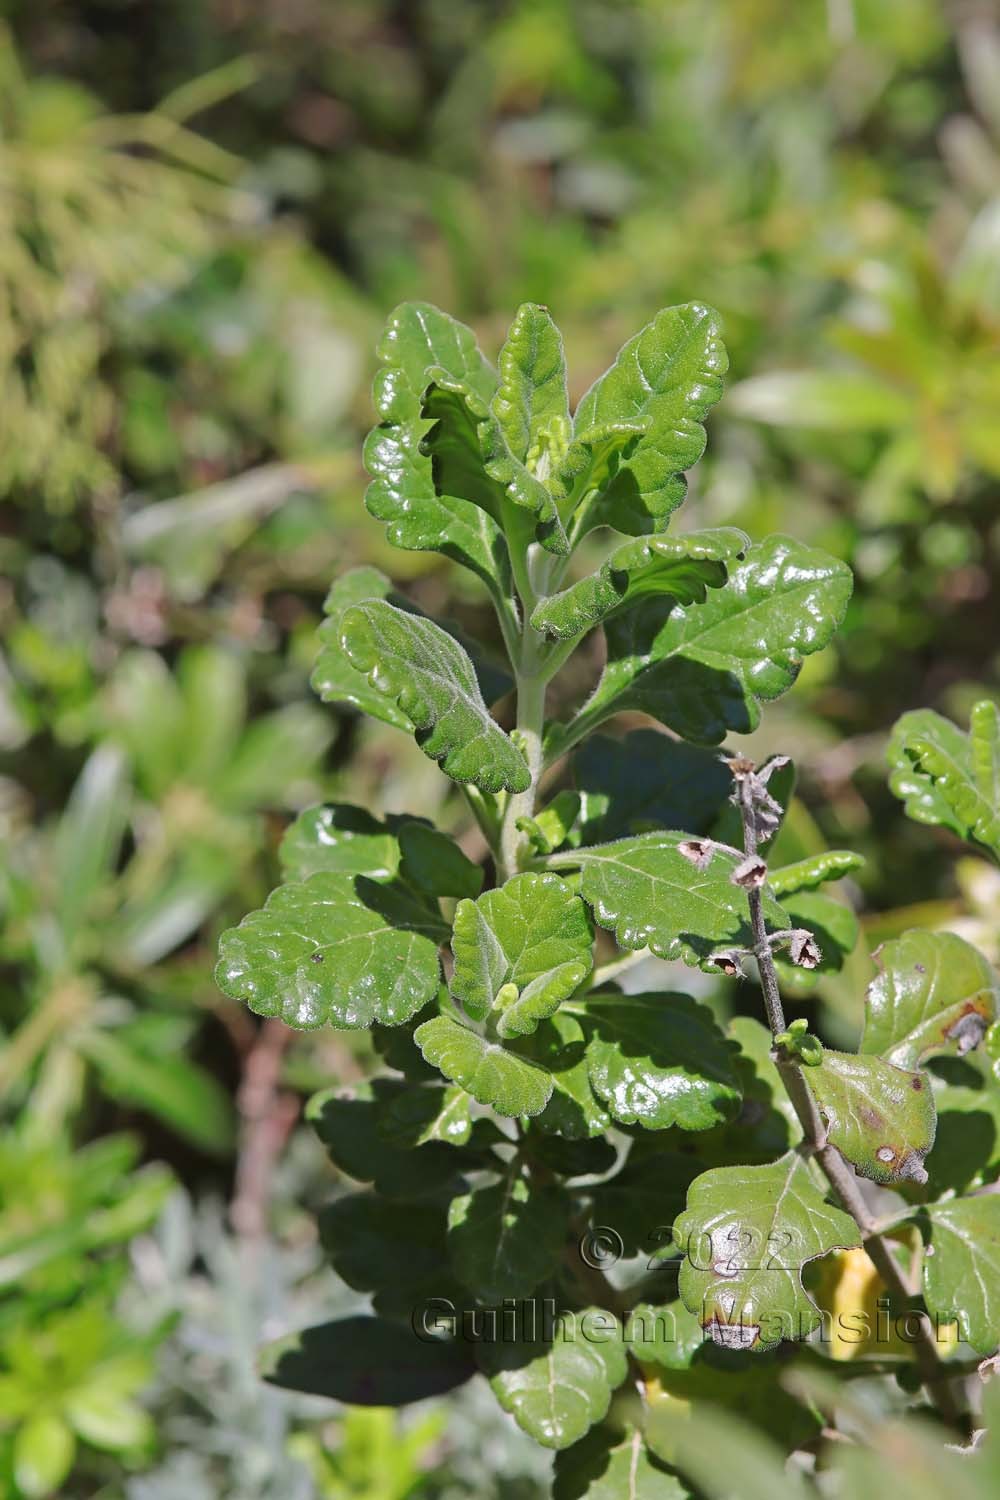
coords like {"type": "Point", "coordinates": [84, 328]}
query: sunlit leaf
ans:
{"type": "Point", "coordinates": [658, 1060]}
{"type": "Point", "coordinates": [962, 1267]}
{"type": "Point", "coordinates": [746, 1234]}
{"type": "Point", "coordinates": [880, 1118]}
{"type": "Point", "coordinates": [934, 993]}
{"type": "Point", "coordinates": [683, 567]}
{"type": "Point", "coordinates": [333, 949]}
{"type": "Point", "coordinates": [521, 949]}
{"type": "Point", "coordinates": [703, 669]}
{"type": "Point", "coordinates": [419, 667]}
{"type": "Point", "coordinates": [651, 895]}
{"type": "Point", "coordinates": [668, 376]}
{"type": "Point", "coordinates": [487, 1070]}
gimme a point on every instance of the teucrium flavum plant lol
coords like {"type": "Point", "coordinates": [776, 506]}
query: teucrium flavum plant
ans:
{"type": "Point", "coordinates": [535, 1121]}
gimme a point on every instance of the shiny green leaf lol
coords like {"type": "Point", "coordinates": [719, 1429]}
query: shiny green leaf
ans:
{"type": "Point", "coordinates": [934, 993]}
{"type": "Point", "coordinates": [420, 667]}
{"type": "Point", "coordinates": [746, 1234]}
{"type": "Point", "coordinates": [658, 1060]}
{"type": "Point", "coordinates": [703, 669]}
{"type": "Point", "coordinates": [531, 403]}
{"type": "Point", "coordinates": [490, 1072]}
{"type": "Point", "coordinates": [651, 895]}
{"type": "Point", "coordinates": [683, 567]}
{"type": "Point", "coordinates": [336, 949]}
{"type": "Point", "coordinates": [962, 1267]}
{"type": "Point", "coordinates": [418, 341]}
{"type": "Point", "coordinates": [339, 839]}
{"type": "Point", "coordinates": [947, 777]}
{"type": "Point", "coordinates": [334, 677]}
{"type": "Point", "coordinates": [668, 376]}
{"type": "Point", "coordinates": [810, 873]}
{"type": "Point", "coordinates": [532, 934]}
{"type": "Point", "coordinates": [557, 1389]}
{"type": "Point", "coordinates": [880, 1118]}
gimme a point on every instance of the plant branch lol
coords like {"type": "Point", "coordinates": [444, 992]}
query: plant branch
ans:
{"type": "Point", "coordinates": [838, 1172]}
{"type": "Point", "coordinates": [532, 573]}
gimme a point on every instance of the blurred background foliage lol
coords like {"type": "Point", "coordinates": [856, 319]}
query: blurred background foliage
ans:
{"type": "Point", "coordinates": [207, 208]}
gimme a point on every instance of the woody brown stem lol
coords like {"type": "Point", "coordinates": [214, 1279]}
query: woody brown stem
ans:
{"type": "Point", "coordinates": [838, 1173]}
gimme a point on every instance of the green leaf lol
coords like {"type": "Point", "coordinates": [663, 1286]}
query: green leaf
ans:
{"type": "Point", "coordinates": [420, 1115]}
{"type": "Point", "coordinates": [967, 782]}
{"type": "Point", "coordinates": [670, 1336]}
{"type": "Point", "coordinates": [651, 895]}
{"type": "Point", "coordinates": [491, 1074]}
{"type": "Point", "coordinates": [658, 1060]}
{"type": "Point", "coordinates": [587, 467]}
{"type": "Point", "coordinates": [573, 1110]}
{"type": "Point", "coordinates": [43, 1453]}
{"type": "Point", "coordinates": [334, 678]}
{"type": "Point", "coordinates": [531, 402]}
{"type": "Point", "coordinates": [334, 949]}
{"type": "Point", "coordinates": [962, 1267]}
{"type": "Point", "coordinates": [607, 1465]}
{"type": "Point", "coordinates": [703, 669]}
{"type": "Point", "coordinates": [506, 1238]}
{"type": "Point", "coordinates": [556, 1390]}
{"type": "Point", "coordinates": [984, 734]}
{"type": "Point", "coordinates": [471, 458]}
{"type": "Point", "coordinates": [934, 993]}
{"type": "Point", "coordinates": [532, 934]}
{"type": "Point", "coordinates": [880, 1118]}
{"type": "Point", "coordinates": [667, 376]}
{"type": "Point", "coordinates": [747, 1232]}
{"type": "Point", "coordinates": [434, 864]}
{"type": "Point", "coordinates": [366, 1362]}
{"type": "Point", "coordinates": [418, 341]}
{"type": "Point", "coordinates": [429, 675]}
{"type": "Point", "coordinates": [360, 1233]}
{"type": "Point", "coordinates": [808, 874]}
{"type": "Point", "coordinates": [944, 776]}
{"type": "Point", "coordinates": [349, 1120]}
{"type": "Point", "coordinates": [459, 442]}
{"type": "Point", "coordinates": [683, 567]}
{"type": "Point", "coordinates": [767, 1119]}
{"type": "Point", "coordinates": [689, 1368]}
{"type": "Point", "coordinates": [339, 839]}
{"type": "Point", "coordinates": [966, 1148]}
{"type": "Point", "coordinates": [647, 781]}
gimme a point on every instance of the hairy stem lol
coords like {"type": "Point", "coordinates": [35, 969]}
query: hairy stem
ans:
{"type": "Point", "coordinates": [838, 1172]}
{"type": "Point", "coordinates": [531, 680]}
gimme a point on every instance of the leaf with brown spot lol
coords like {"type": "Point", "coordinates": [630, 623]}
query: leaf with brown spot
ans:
{"type": "Point", "coordinates": [746, 1234]}
{"type": "Point", "coordinates": [935, 993]}
{"type": "Point", "coordinates": [881, 1118]}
